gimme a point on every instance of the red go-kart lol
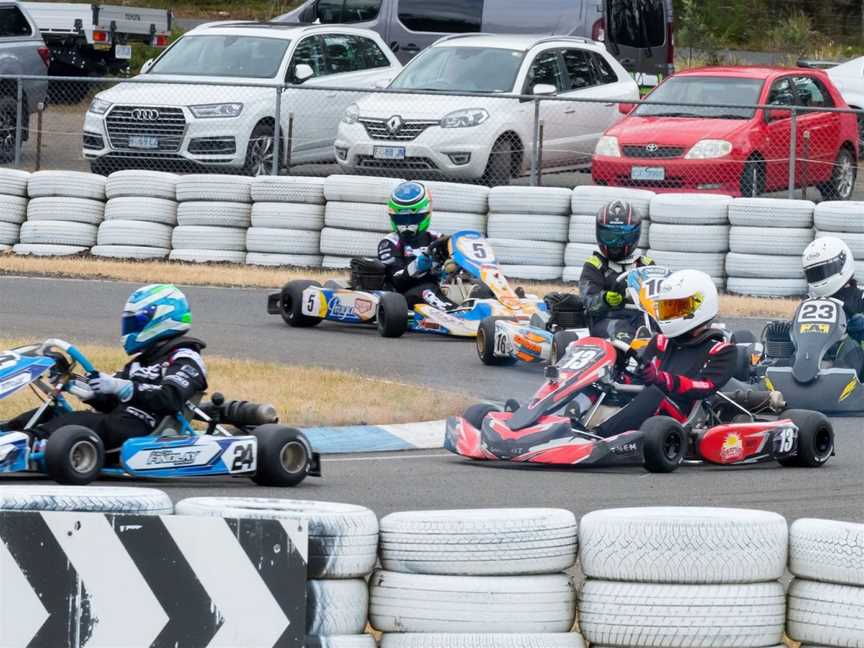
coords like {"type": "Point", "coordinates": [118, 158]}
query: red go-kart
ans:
{"type": "Point", "coordinates": [559, 425]}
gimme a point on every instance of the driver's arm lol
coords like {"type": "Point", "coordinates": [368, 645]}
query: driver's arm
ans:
{"type": "Point", "coordinates": [184, 377]}
{"type": "Point", "coordinates": [592, 288]}
{"type": "Point", "coordinates": [717, 370]}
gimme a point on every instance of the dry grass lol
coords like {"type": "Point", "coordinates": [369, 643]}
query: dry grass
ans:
{"type": "Point", "coordinates": [303, 396]}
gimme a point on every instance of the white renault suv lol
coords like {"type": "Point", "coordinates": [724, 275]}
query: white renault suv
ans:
{"type": "Point", "coordinates": [476, 134]}
{"type": "Point", "coordinates": [210, 104]}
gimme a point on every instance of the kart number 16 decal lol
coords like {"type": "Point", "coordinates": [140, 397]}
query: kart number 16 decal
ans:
{"type": "Point", "coordinates": [818, 311]}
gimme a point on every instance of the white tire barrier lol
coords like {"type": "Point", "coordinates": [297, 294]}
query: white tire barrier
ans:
{"type": "Point", "coordinates": [576, 254]}
{"type": "Point", "coordinates": [769, 241]}
{"type": "Point", "coordinates": [283, 215]}
{"type": "Point", "coordinates": [771, 212]}
{"type": "Point", "coordinates": [827, 551]}
{"type": "Point", "coordinates": [357, 216]}
{"type": "Point", "coordinates": [583, 229]}
{"type": "Point", "coordinates": [332, 262]}
{"type": "Point", "coordinates": [826, 614]}
{"type": "Point", "coordinates": [694, 209]}
{"type": "Point", "coordinates": [129, 252]}
{"type": "Point", "coordinates": [13, 209]}
{"type": "Point", "coordinates": [447, 222]}
{"type": "Point", "coordinates": [437, 640]}
{"type": "Point", "coordinates": [137, 208]}
{"type": "Point", "coordinates": [76, 210]}
{"type": "Point", "coordinates": [840, 216]}
{"type": "Point", "coordinates": [485, 542]}
{"type": "Point", "coordinates": [691, 238]}
{"type": "Point", "coordinates": [571, 274]}
{"type": "Point", "coordinates": [122, 232]}
{"type": "Point", "coordinates": [67, 184]}
{"type": "Point", "coordinates": [288, 189]}
{"type": "Point", "coordinates": [711, 263]}
{"type": "Point", "coordinates": [336, 607]}
{"type": "Point", "coordinates": [214, 214]}
{"type": "Point", "coordinates": [767, 287]}
{"type": "Point", "coordinates": [532, 272]}
{"type": "Point", "coordinates": [855, 241]}
{"type": "Point", "coordinates": [142, 184]}
{"type": "Point", "coordinates": [196, 255]}
{"type": "Point", "coordinates": [471, 604]}
{"type": "Point", "coordinates": [455, 197]}
{"type": "Point", "coordinates": [14, 182]}
{"type": "Point", "coordinates": [199, 237]}
{"type": "Point", "coordinates": [9, 233]}
{"type": "Point", "coordinates": [589, 200]}
{"type": "Point", "coordinates": [341, 641]}
{"type": "Point", "coordinates": [520, 252]}
{"type": "Point", "coordinates": [539, 227]}
{"type": "Point", "coordinates": [359, 189]}
{"type": "Point", "coordinates": [99, 499]}
{"type": "Point", "coordinates": [349, 243]}
{"type": "Point", "coordinates": [292, 260]}
{"type": "Point", "coordinates": [37, 249]}
{"type": "Point", "coordinates": [756, 266]}
{"type": "Point", "coordinates": [282, 241]}
{"type": "Point", "coordinates": [530, 200]}
{"type": "Point", "coordinates": [204, 187]}
{"type": "Point", "coordinates": [53, 232]}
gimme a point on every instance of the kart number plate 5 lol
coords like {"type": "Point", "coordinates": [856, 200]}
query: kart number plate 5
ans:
{"type": "Point", "coordinates": [311, 304]}
{"type": "Point", "coordinates": [818, 311]}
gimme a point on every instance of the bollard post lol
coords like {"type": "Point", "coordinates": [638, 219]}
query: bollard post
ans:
{"type": "Point", "coordinates": [19, 119]}
{"type": "Point", "coordinates": [41, 110]}
{"type": "Point", "coordinates": [540, 156]}
{"type": "Point", "coordinates": [277, 132]}
{"type": "Point", "coordinates": [535, 152]}
{"type": "Point", "coordinates": [793, 152]}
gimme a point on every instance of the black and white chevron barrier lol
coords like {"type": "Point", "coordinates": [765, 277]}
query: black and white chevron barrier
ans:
{"type": "Point", "coordinates": [93, 580]}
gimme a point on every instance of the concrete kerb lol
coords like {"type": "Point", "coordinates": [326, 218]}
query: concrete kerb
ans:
{"type": "Point", "coordinates": [349, 439]}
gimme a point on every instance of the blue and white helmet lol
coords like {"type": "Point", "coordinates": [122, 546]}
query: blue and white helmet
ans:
{"type": "Point", "coordinates": [152, 313]}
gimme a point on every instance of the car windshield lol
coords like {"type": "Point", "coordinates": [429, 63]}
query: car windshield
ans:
{"type": "Point", "coordinates": [462, 69]}
{"type": "Point", "coordinates": [705, 90]}
{"type": "Point", "coordinates": [247, 57]}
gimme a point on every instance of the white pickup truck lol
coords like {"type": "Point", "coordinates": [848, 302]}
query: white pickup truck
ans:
{"type": "Point", "coordinates": [94, 39]}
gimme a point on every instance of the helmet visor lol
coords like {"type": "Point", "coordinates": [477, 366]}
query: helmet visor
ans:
{"type": "Point", "coordinates": [823, 271]}
{"type": "Point", "coordinates": [669, 309]}
{"type": "Point", "coordinates": [618, 236]}
{"type": "Point", "coordinates": [404, 219]}
{"type": "Point", "coordinates": [135, 322]}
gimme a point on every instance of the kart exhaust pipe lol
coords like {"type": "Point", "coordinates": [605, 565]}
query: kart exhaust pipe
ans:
{"type": "Point", "coordinates": [240, 413]}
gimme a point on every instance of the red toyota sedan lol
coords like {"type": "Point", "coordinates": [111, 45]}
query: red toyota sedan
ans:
{"type": "Point", "coordinates": [740, 151]}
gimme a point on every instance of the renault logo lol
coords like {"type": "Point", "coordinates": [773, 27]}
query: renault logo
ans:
{"type": "Point", "coordinates": [652, 148]}
{"type": "Point", "coordinates": [145, 114]}
{"type": "Point", "coordinates": [394, 124]}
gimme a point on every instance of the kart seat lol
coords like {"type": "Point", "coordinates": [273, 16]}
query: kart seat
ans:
{"type": "Point", "coordinates": [170, 426]}
{"type": "Point", "coordinates": [566, 311]}
{"type": "Point", "coordinates": [368, 274]}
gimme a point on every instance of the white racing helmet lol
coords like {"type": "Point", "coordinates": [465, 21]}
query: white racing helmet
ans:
{"type": "Point", "coordinates": [687, 299]}
{"type": "Point", "coordinates": [828, 266]}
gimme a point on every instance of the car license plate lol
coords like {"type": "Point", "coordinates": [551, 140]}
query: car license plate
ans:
{"type": "Point", "coordinates": [123, 51]}
{"type": "Point", "coordinates": [652, 174]}
{"type": "Point", "coordinates": [389, 152]}
{"type": "Point", "coordinates": [141, 142]}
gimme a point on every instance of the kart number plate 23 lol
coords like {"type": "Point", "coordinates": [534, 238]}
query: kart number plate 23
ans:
{"type": "Point", "coordinates": [822, 311]}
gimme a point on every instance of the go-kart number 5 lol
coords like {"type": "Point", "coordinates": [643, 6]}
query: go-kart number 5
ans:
{"type": "Point", "coordinates": [479, 250]}
{"type": "Point", "coordinates": [818, 311]}
{"type": "Point", "coordinates": [578, 360]}
{"type": "Point", "coordinates": [310, 304]}
{"type": "Point", "coordinates": [244, 455]}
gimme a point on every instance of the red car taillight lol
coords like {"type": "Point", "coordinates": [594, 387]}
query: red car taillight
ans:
{"type": "Point", "coordinates": [45, 55]}
{"type": "Point", "coordinates": [598, 31]}
{"type": "Point", "coordinates": [100, 37]}
{"type": "Point", "coordinates": [159, 40]}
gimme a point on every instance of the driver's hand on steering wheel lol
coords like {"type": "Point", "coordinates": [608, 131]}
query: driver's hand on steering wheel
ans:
{"type": "Point", "coordinates": [613, 299]}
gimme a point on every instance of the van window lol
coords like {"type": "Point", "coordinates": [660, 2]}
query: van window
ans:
{"type": "Point", "coordinates": [636, 23]}
{"type": "Point", "coordinates": [13, 23]}
{"type": "Point", "coordinates": [343, 11]}
{"type": "Point", "coordinates": [442, 16]}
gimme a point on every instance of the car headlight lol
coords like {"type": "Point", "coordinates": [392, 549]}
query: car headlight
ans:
{"type": "Point", "coordinates": [352, 114]}
{"type": "Point", "coordinates": [467, 118]}
{"type": "Point", "coordinates": [207, 111]}
{"type": "Point", "coordinates": [99, 106]}
{"type": "Point", "coordinates": [607, 146]}
{"type": "Point", "coordinates": [708, 149]}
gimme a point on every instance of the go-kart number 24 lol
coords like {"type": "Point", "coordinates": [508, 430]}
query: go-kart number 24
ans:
{"type": "Point", "coordinates": [243, 457]}
{"type": "Point", "coordinates": [820, 311]}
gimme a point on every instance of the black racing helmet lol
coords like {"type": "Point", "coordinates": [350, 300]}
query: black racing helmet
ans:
{"type": "Point", "coordinates": [618, 230]}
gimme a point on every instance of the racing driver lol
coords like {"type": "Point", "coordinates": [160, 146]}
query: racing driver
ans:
{"type": "Point", "coordinates": [829, 268]}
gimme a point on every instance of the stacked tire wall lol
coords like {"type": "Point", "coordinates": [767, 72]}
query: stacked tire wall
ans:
{"type": "Point", "coordinates": [13, 206]}
{"type": "Point", "coordinates": [844, 220]}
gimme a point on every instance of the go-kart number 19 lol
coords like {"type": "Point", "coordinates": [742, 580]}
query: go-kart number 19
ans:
{"type": "Point", "coordinates": [818, 311]}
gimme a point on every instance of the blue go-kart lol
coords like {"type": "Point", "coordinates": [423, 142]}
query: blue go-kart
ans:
{"type": "Point", "coordinates": [255, 446]}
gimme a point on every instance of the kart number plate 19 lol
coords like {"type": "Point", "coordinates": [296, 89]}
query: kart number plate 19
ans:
{"type": "Point", "coordinates": [818, 311]}
{"type": "Point", "coordinates": [648, 174]}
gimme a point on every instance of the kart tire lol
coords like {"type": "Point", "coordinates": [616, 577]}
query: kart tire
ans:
{"type": "Point", "coordinates": [589, 199]}
{"type": "Point", "coordinates": [340, 641]}
{"type": "Point", "coordinates": [392, 315]}
{"type": "Point", "coordinates": [66, 184]}
{"type": "Point", "coordinates": [74, 455]}
{"type": "Point", "coordinates": [284, 455]}
{"type": "Point", "coordinates": [815, 439]}
{"type": "Point", "coordinates": [14, 182]}
{"type": "Point", "coordinates": [825, 613]}
{"type": "Point", "coordinates": [476, 414]}
{"type": "Point", "coordinates": [292, 303]}
{"type": "Point", "coordinates": [742, 364]}
{"type": "Point", "coordinates": [485, 343]}
{"type": "Point", "coordinates": [142, 184]}
{"type": "Point", "coordinates": [664, 444]}
{"type": "Point", "coordinates": [205, 187]}
{"type": "Point", "coordinates": [336, 607]}
{"type": "Point", "coordinates": [288, 189]}
{"type": "Point", "coordinates": [95, 499]}
{"type": "Point", "coordinates": [560, 341]}
{"type": "Point", "coordinates": [440, 640]}
{"type": "Point", "coordinates": [827, 551]}
{"type": "Point", "coordinates": [293, 216]}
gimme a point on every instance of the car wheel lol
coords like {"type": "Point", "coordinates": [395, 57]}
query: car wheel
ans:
{"type": "Point", "coordinates": [485, 342]}
{"type": "Point", "coordinates": [753, 178]}
{"type": "Point", "coordinates": [664, 444]}
{"type": "Point", "coordinates": [284, 456]}
{"type": "Point", "coordinates": [499, 168]}
{"type": "Point", "coordinates": [815, 439]}
{"type": "Point", "coordinates": [8, 120]}
{"type": "Point", "coordinates": [843, 177]}
{"type": "Point", "coordinates": [74, 455]}
{"type": "Point", "coordinates": [292, 304]}
{"type": "Point", "coordinates": [259, 152]}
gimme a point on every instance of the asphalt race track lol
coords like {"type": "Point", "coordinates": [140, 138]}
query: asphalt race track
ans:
{"type": "Point", "coordinates": [234, 323]}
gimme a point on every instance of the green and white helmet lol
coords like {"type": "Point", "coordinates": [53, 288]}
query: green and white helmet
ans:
{"type": "Point", "coordinates": [410, 209]}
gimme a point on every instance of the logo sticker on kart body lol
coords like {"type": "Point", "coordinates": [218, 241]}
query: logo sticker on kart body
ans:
{"type": "Point", "coordinates": [177, 457]}
{"type": "Point", "coordinates": [340, 310]}
{"type": "Point", "coordinates": [732, 449]}
{"type": "Point", "coordinates": [820, 329]}
{"type": "Point", "coordinates": [363, 307]}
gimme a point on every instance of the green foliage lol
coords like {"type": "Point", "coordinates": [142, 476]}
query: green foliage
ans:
{"type": "Point", "coordinates": [793, 34]}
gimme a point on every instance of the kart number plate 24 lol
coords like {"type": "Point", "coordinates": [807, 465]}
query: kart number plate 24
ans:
{"type": "Point", "coordinates": [822, 311]}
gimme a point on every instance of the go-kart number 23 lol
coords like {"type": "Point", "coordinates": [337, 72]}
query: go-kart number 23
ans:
{"type": "Point", "coordinates": [819, 311]}
{"type": "Point", "coordinates": [244, 455]}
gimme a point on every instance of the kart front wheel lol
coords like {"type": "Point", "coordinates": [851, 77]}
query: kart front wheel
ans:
{"type": "Point", "coordinates": [485, 342]}
{"type": "Point", "coordinates": [74, 455]}
{"type": "Point", "coordinates": [664, 444]}
{"type": "Point", "coordinates": [815, 439]}
{"type": "Point", "coordinates": [292, 304]}
{"type": "Point", "coordinates": [284, 456]}
{"type": "Point", "coordinates": [560, 341]}
{"type": "Point", "coordinates": [477, 413]}
{"type": "Point", "coordinates": [392, 315]}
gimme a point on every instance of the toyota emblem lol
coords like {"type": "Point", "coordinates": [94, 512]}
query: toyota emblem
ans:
{"type": "Point", "coordinates": [652, 148]}
{"type": "Point", "coordinates": [394, 124]}
{"type": "Point", "coordinates": [145, 114]}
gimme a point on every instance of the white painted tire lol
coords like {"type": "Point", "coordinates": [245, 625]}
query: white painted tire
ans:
{"type": "Point", "coordinates": [540, 227]}
{"type": "Point", "coordinates": [771, 212]}
{"type": "Point", "coordinates": [101, 499]}
{"type": "Point", "coordinates": [226, 188]}
{"type": "Point", "coordinates": [532, 272]}
{"type": "Point", "coordinates": [522, 252]}
{"type": "Point", "coordinates": [151, 210]}
{"type": "Point", "coordinates": [711, 263]}
{"type": "Point", "coordinates": [129, 252]}
{"type": "Point", "coordinates": [284, 260]}
{"type": "Point", "coordinates": [142, 184]}
{"type": "Point", "coordinates": [282, 241]}
{"type": "Point", "coordinates": [14, 182]}
{"type": "Point", "coordinates": [757, 266]}
{"type": "Point", "coordinates": [840, 216]}
{"type": "Point", "coordinates": [589, 199]}
{"type": "Point", "coordinates": [571, 274]}
{"type": "Point", "coordinates": [446, 222]}
{"type": "Point", "coordinates": [438, 640]}
{"type": "Point", "coordinates": [341, 641]}
{"type": "Point", "coordinates": [5, 249]}
{"type": "Point", "coordinates": [288, 189]}
{"type": "Point", "coordinates": [697, 616]}
{"type": "Point", "coordinates": [336, 607]}
{"type": "Point", "coordinates": [68, 184]}
{"type": "Point", "coordinates": [199, 237]}
{"type": "Point", "coordinates": [827, 551]}
{"type": "Point", "coordinates": [530, 200]}
{"type": "Point", "coordinates": [825, 613]}
{"type": "Point", "coordinates": [479, 542]}
{"type": "Point", "coordinates": [456, 197]}
{"type": "Point", "coordinates": [75, 210]}
{"type": "Point", "coordinates": [767, 287]}
{"type": "Point", "coordinates": [343, 538]}
{"type": "Point", "coordinates": [359, 189]}
{"type": "Point", "coordinates": [9, 233]}
{"type": "Point", "coordinates": [58, 233]}
{"type": "Point", "coordinates": [703, 209]}
{"type": "Point", "coordinates": [689, 238]}
{"type": "Point", "coordinates": [357, 216]}
{"type": "Point", "coordinates": [576, 254]}
{"type": "Point", "coordinates": [855, 241]}
{"type": "Point", "coordinates": [193, 255]}
{"type": "Point", "coordinates": [334, 262]}
{"type": "Point", "coordinates": [471, 604]}
{"type": "Point", "coordinates": [769, 241]}
{"type": "Point", "coordinates": [13, 209]}
{"type": "Point", "coordinates": [681, 545]}
{"type": "Point", "coordinates": [214, 214]}
{"type": "Point", "coordinates": [349, 243]}
{"type": "Point", "coordinates": [583, 229]}
{"type": "Point", "coordinates": [121, 232]}
{"type": "Point", "coordinates": [295, 216]}
{"type": "Point", "coordinates": [37, 249]}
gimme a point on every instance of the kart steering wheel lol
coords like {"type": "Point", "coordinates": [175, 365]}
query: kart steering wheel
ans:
{"type": "Point", "coordinates": [74, 354]}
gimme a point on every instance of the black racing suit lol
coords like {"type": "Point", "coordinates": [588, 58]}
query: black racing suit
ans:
{"type": "Point", "coordinates": [600, 275]}
{"type": "Point", "coordinates": [849, 353]}
{"type": "Point", "coordinates": [686, 370]}
{"type": "Point", "coordinates": [399, 256]}
{"type": "Point", "coordinates": [164, 378]}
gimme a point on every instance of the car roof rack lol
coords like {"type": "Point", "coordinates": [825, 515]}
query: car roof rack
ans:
{"type": "Point", "coordinates": [540, 41]}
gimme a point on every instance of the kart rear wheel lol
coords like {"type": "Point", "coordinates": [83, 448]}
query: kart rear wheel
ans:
{"type": "Point", "coordinates": [485, 343]}
{"type": "Point", "coordinates": [284, 456]}
{"type": "Point", "coordinates": [560, 341]}
{"type": "Point", "coordinates": [292, 304]}
{"type": "Point", "coordinates": [477, 413]}
{"type": "Point", "coordinates": [392, 315]}
{"type": "Point", "coordinates": [664, 444]}
{"type": "Point", "coordinates": [815, 439]}
{"type": "Point", "coordinates": [74, 455]}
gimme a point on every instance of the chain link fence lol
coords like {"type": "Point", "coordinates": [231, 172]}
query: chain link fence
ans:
{"type": "Point", "coordinates": [105, 125]}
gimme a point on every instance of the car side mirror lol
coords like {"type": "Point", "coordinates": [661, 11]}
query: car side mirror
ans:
{"type": "Point", "coordinates": [145, 68]}
{"type": "Point", "coordinates": [544, 89]}
{"type": "Point", "coordinates": [303, 71]}
{"type": "Point", "coordinates": [626, 108]}
{"type": "Point", "coordinates": [776, 114]}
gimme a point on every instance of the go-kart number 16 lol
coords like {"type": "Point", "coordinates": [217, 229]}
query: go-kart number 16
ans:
{"type": "Point", "coordinates": [818, 311]}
